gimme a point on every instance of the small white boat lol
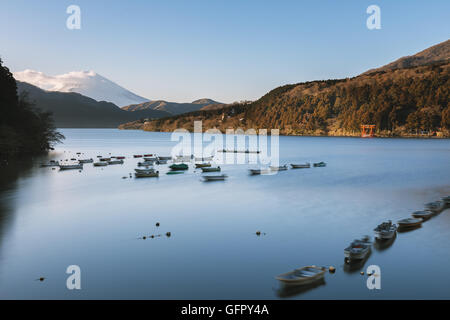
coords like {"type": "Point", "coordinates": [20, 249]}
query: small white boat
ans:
{"type": "Point", "coordinates": [305, 275]}
{"type": "Point", "coordinates": [86, 160]}
{"type": "Point", "coordinates": [409, 222]}
{"type": "Point", "coordinates": [259, 171]}
{"type": "Point", "coordinates": [385, 230]}
{"type": "Point", "coordinates": [215, 178]}
{"type": "Point", "coordinates": [436, 206]}
{"type": "Point", "coordinates": [150, 159]}
{"type": "Point", "coordinates": [115, 162]}
{"type": "Point", "coordinates": [151, 174]}
{"type": "Point", "coordinates": [145, 163]}
{"type": "Point", "coordinates": [100, 164]}
{"type": "Point", "coordinates": [164, 158]}
{"type": "Point", "coordinates": [425, 214]}
{"type": "Point", "coordinates": [211, 169]}
{"type": "Point", "coordinates": [70, 166]}
{"type": "Point", "coordinates": [161, 161]}
{"type": "Point", "coordinates": [358, 249]}
{"type": "Point", "coordinates": [279, 168]}
{"type": "Point", "coordinates": [301, 165]}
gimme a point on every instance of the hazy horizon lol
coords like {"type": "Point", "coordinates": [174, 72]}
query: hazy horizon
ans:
{"type": "Point", "coordinates": [229, 51]}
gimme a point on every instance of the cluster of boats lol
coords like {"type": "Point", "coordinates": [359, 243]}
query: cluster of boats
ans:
{"type": "Point", "coordinates": [359, 250]}
{"type": "Point", "coordinates": [273, 169]}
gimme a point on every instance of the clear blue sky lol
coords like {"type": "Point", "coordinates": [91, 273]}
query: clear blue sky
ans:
{"type": "Point", "coordinates": [224, 50]}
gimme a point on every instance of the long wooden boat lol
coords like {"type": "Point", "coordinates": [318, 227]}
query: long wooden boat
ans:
{"type": "Point", "coordinates": [100, 164]}
{"type": "Point", "coordinates": [409, 222]}
{"type": "Point", "coordinates": [71, 166]}
{"type": "Point", "coordinates": [259, 171]}
{"type": "Point", "coordinates": [146, 174]}
{"type": "Point", "coordinates": [424, 214]}
{"type": "Point", "coordinates": [215, 178]}
{"type": "Point", "coordinates": [301, 165]}
{"type": "Point", "coordinates": [211, 169]}
{"type": "Point", "coordinates": [115, 162]}
{"type": "Point", "coordinates": [202, 165]}
{"type": "Point", "coordinates": [51, 163]}
{"type": "Point", "coordinates": [144, 170]}
{"type": "Point", "coordinates": [86, 160]}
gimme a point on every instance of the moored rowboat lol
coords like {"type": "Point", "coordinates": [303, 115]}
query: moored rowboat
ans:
{"type": "Point", "coordinates": [357, 250]}
{"type": "Point", "coordinates": [385, 230]}
{"type": "Point", "coordinates": [70, 166]}
{"type": "Point", "coordinates": [436, 206]}
{"type": "Point", "coordinates": [302, 276]}
{"type": "Point", "coordinates": [100, 164]}
{"type": "Point", "coordinates": [86, 160]}
{"type": "Point", "coordinates": [147, 174]}
{"type": "Point", "coordinates": [259, 171]}
{"type": "Point", "coordinates": [409, 222]}
{"type": "Point", "coordinates": [181, 166]}
{"type": "Point", "coordinates": [425, 214]}
{"type": "Point", "coordinates": [202, 165]}
{"type": "Point", "coordinates": [115, 162]}
{"type": "Point", "coordinates": [215, 178]}
{"type": "Point", "coordinates": [320, 164]}
{"type": "Point", "coordinates": [300, 166]}
{"type": "Point", "coordinates": [211, 169]}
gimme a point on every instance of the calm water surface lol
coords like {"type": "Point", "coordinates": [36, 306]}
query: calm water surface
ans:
{"type": "Point", "coordinates": [51, 219]}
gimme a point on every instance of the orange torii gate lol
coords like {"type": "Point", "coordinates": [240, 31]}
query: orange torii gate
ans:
{"type": "Point", "coordinates": [370, 134]}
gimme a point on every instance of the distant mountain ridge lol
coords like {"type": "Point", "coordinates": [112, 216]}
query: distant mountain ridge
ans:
{"type": "Point", "coordinates": [87, 83]}
{"type": "Point", "coordinates": [435, 54]}
{"type": "Point", "coordinates": [174, 108]}
{"type": "Point", "coordinates": [73, 110]}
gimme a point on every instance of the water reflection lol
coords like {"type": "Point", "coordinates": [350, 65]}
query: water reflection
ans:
{"type": "Point", "coordinates": [10, 175]}
{"type": "Point", "coordinates": [408, 229]}
{"type": "Point", "coordinates": [355, 265]}
{"type": "Point", "coordinates": [287, 291]}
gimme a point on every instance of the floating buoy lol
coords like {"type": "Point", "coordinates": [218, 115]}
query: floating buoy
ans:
{"type": "Point", "coordinates": [144, 237]}
{"type": "Point", "coordinates": [157, 224]}
{"type": "Point", "coordinates": [258, 233]}
{"type": "Point", "coordinates": [41, 279]}
{"type": "Point", "coordinates": [168, 234]}
{"type": "Point", "coordinates": [152, 236]}
{"type": "Point", "coordinates": [332, 269]}
{"type": "Point", "coordinates": [362, 273]}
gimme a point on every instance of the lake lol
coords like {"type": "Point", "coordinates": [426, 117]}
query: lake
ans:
{"type": "Point", "coordinates": [50, 219]}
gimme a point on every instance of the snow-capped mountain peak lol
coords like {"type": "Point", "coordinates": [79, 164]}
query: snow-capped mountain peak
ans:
{"type": "Point", "coordinates": [87, 83]}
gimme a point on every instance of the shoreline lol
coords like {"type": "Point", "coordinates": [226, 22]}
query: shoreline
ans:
{"type": "Point", "coordinates": [383, 136]}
